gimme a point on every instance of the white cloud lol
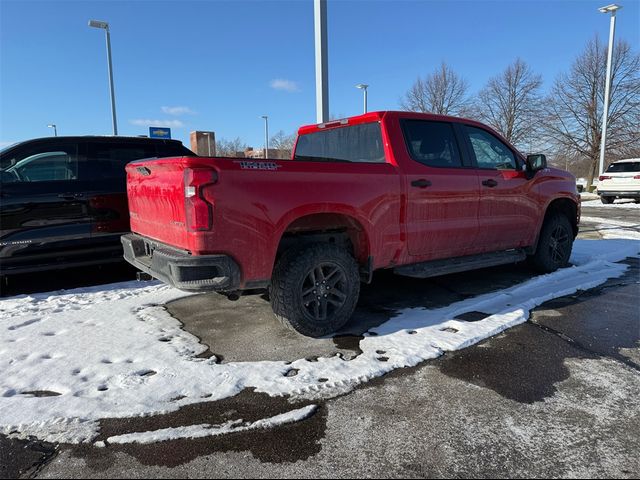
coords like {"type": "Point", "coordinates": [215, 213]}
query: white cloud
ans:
{"type": "Point", "coordinates": [145, 122]}
{"type": "Point", "coordinates": [178, 111]}
{"type": "Point", "coordinates": [286, 85]}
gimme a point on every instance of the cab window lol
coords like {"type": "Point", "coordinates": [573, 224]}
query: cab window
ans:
{"type": "Point", "coordinates": [44, 163]}
{"type": "Point", "coordinates": [357, 143]}
{"type": "Point", "coordinates": [432, 143]}
{"type": "Point", "coordinates": [490, 152]}
{"type": "Point", "coordinates": [107, 160]}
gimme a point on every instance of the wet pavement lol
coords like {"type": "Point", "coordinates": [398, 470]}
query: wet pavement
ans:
{"type": "Point", "coordinates": [554, 397]}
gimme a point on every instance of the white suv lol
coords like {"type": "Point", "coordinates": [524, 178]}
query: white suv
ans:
{"type": "Point", "coordinates": [621, 180]}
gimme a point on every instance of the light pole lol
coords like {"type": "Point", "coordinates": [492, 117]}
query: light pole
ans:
{"type": "Point", "coordinates": [612, 29]}
{"type": "Point", "coordinates": [322, 60]}
{"type": "Point", "coordinates": [266, 136]}
{"type": "Point", "coordinates": [105, 27]}
{"type": "Point", "coordinates": [55, 130]}
{"type": "Point", "coordinates": [363, 86]}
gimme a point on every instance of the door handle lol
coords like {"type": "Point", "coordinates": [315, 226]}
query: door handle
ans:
{"type": "Point", "coordinates": [490, 183]}
{"type": "Point", "coordinates": [422, 183]}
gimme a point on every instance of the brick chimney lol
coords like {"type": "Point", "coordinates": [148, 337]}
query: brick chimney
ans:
{"type": "Point", "coordinates": [203, 143]}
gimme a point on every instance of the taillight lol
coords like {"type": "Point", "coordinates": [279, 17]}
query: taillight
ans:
{"type": "Point", "coordinates": [636, 177]}
{"type": "Point", "coordinates": [198, 211]}
{"type": "Point", "coordinates": [604, 177]}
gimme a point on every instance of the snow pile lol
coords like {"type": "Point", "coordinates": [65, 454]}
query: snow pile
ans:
{"type": "Point", "coordinates": [69, 359]}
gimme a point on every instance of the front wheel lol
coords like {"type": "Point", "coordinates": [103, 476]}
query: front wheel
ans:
{"type": "Point", "coordinates": [314, 289]}
{"type": "Point", "coordinates": [554, 245]}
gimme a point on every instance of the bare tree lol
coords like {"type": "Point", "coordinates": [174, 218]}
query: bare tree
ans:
{"type": "Point", "coordinates": [510, 103]}
{"type": "Point", "coordinates": [442, 92]}
{"type": "Point", "coordinates": [283, 144]}
{"type": "Point", "coordinates": [576, 103]}
{"type": "Point", "coordinates": [230, 148]}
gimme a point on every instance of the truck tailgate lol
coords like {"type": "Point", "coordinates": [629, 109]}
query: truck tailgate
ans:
{"type": "Point", "coordinates": [156, 200]}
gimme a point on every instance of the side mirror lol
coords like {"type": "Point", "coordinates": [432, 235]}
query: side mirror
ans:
{"type": "Point", "coordinates": [536, 162]}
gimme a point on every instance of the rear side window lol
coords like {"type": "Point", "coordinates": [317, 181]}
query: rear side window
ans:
{"type": "Point", "coordinates": [624, 167]}
{"type": "Point", "coordinates": [432, 143]}
{"type": "Point", "coordinates": [107, 160]}
{"type": "Point", "coordinates": [357, 143]}
{"type": "Point", "coordinates": [43, 163]}
{"type": "Point", "coordinates": [174, 150]}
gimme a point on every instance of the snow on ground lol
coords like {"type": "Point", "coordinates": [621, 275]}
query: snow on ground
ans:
{"type": "Point", "coordinates": [206, 430]}
{"type": "Point", "coordinates": [610, 228]}
{"type": "Point", "coordinates": [625, 203]}
{"type": "Point", "coordinates": [71, 358]}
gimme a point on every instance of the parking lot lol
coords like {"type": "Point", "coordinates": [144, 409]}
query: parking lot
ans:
{"type": "Point", "coordinates": [554, 394]}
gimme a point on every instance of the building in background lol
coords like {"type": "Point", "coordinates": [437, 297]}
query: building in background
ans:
{"type": "Point", "coordinates": [203, 143]}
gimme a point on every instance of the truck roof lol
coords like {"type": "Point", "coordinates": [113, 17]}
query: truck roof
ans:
{"type": "Point", "coordinates": [377, 116]}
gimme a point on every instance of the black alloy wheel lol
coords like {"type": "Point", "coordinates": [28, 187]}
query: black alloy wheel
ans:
{"type": "Point", "coordinates": [315, 288]}
{"type": "Point", "coordinates": [324, 290]}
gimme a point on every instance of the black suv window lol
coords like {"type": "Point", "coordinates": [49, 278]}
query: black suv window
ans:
{"type": "Point", "coordinates": [173, 150]}
{"type": "Point", "coordinates": [432, 143]}
{"type": "Point", "coordinates": [108, 159]}
{"type": "Point", "coordinates": [41, 163]}
{"type": "Point", "coordinates": [357, 143]}
{"type": "Point", "coordinates": [490, 152]}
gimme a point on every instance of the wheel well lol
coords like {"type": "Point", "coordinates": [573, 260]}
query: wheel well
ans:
{"type": "Point", "coordinates": [335, 228]}
{"type": "Point", "coordinates": [566, 207]}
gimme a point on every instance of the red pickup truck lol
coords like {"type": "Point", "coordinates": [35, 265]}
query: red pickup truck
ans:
{"type": "Point", "coordinates": [422, 194]}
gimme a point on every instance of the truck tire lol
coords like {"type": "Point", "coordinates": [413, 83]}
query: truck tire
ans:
{"type": "Point", "coordinates": [606, 199]}
{"type": "Point", "coordinates": [314, 289]}
{"type": "Point", "coordinates": [554, 245]}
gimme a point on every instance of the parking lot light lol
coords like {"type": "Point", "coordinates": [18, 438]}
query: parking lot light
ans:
{"type": "Point", "coordinates": [55, 130]}
{"type": "Point", "coordinates": [364, 86]}
{"type": "Point", "coordinates": [105, 26]}
{"type": "Point", "coordinates": [612, 9]}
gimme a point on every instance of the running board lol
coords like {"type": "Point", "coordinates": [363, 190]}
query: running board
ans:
{"type": "Point", "coordinates": [460, 264]}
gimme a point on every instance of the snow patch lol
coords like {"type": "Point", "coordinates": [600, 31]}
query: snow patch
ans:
{"type": "Point", "coordinates": [617, 204]}
{"type": "Point", "coordinates": [206, 430]}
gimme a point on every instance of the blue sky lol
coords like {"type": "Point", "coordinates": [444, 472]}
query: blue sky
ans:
{"type": "Point", "coordinates": [220, 65]}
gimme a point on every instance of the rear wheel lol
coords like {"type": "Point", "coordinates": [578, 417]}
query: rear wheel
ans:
{"type": "Point", "coordinates": [606, 199]}
{"type": "Point", "coordinates": [554, 245]}
{"type": "Point", "coordinates": [314, 289]}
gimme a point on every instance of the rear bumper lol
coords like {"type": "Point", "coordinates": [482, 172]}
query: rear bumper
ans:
{"type": "Point", "coordinates": [201, 273]}
{"type": "Point", "coordinates": [619, 193]}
